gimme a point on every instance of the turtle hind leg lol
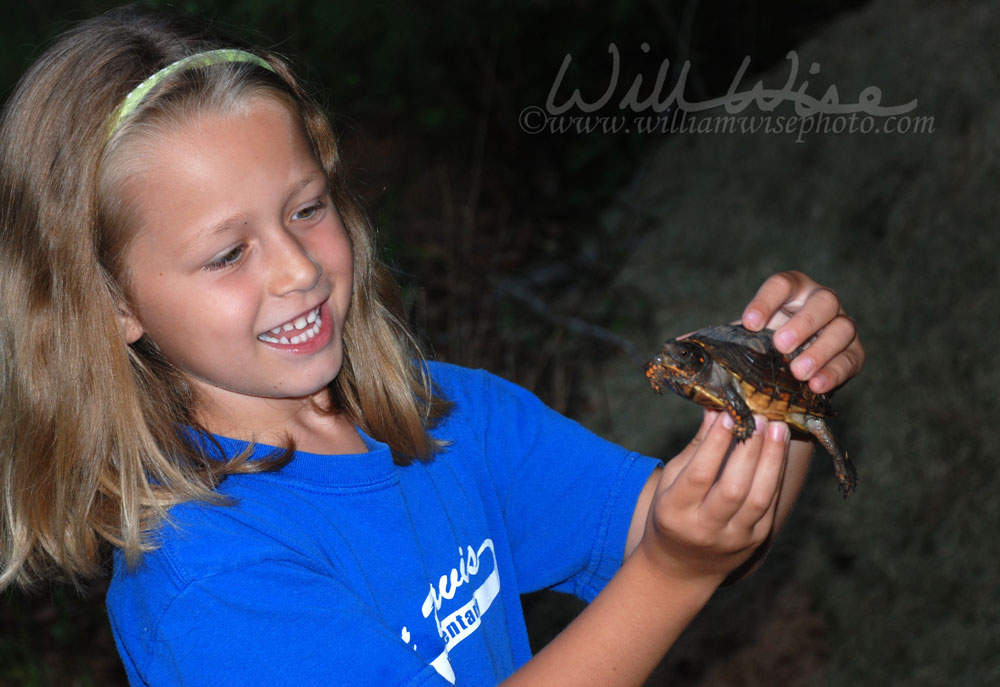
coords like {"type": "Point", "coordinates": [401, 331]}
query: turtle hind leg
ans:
{"type": "Point", "coordinates": [847, 474]}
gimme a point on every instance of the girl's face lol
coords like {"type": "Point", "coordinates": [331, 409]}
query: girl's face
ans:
{"type": "Point", "coordinates": [241, 269]}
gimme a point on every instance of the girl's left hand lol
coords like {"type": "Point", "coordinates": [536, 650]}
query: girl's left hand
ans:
{"type": "Point", "coordinates": [798, 309]}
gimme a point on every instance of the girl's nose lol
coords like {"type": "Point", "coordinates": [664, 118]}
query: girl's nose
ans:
{"type": "Point", "coordinates": [292, 268]}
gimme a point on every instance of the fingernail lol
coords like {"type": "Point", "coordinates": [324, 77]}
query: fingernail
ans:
{"type": "Point", "coordinates": [753, 318]}
{"type": "Point", "coordinates": [785, 341]}
{"type": "Point", "coordinates": [727, 421]}
{"type": "Point", "coordinates": [778, 431]}
{"type": "Point", "coordinates": [802, 366]}
{"type": "Point", "coordinates": [760, 422]}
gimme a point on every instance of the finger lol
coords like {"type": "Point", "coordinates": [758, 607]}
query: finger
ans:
{"type": "Point", "coordinates": [730, 491]}
{"type": "Point", "coordinates": [762, 498]}
{"type": "Point", "coordinates": [785, 289]}
{"type": "Point", "coordinates": [696, 479]}
{"type": "Point", "coordinates": [677, 463]}
{"type": "Point", "coordinates": [707, 420]}
{"type": "Point", "coordinates": [846, 364]}
{"type": "Point", "coordinates": [834, 339]}
{"type": "Point", "coordinates": [821, 306]}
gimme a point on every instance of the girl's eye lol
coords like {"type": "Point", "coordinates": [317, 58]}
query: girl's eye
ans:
{"type": "Point", "coordinates": [310, 212]}
{"type": "Point", "coordinates": [230, 258]}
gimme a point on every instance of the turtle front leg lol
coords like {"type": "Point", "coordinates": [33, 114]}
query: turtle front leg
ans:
{"type": "Point", "coordinates": [847, 474]}
{"type": "Point", "coordinates": [736, 406]}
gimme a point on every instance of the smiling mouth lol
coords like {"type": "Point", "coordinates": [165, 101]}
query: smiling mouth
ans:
{"type": "Point", "coordinates": [298, 331]}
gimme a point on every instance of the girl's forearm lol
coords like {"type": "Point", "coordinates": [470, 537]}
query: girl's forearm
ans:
{"type": "Point", "coordinates": [624, 633]}
{"type": "Point", "coordinates": [800, 453]}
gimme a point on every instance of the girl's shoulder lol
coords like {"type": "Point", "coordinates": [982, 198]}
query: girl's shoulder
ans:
{"type": "Point", "coordinates": [456, 379]}
{"type": "Point", "coordinates": [504, 418]}
{"type": "Point", "coordinates": [473, 387]}
{"type": "Point", "coordinates": [479, 396]}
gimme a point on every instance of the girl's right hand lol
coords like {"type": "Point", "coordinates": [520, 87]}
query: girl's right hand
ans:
{"type": "Point", "coordinates": [715, 503]}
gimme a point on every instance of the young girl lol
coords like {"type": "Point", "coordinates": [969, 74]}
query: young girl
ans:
{"type": "Point", "coordinates": [204, 365]}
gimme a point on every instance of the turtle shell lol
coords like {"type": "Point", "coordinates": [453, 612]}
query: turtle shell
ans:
{"type": "Point", "coordinates": [764, 373]}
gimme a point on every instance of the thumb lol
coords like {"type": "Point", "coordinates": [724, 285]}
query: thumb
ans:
{"type": "Point", "coordinates": [681, 459]}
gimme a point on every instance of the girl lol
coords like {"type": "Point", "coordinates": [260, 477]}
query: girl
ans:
{"type": "Point", "coordinates": [204, 365]}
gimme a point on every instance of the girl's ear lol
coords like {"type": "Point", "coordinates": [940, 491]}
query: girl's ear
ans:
{"type": "Point", "coordinates": [130, 325]}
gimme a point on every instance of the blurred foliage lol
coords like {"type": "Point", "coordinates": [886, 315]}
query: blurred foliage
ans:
{"type": "Point", "coordinates": [57, 637]}
{"type": "Point", "coordinates": [503, 241]}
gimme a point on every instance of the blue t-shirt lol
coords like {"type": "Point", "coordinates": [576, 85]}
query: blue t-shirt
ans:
{"type": "Point", "coordinates": [350, 570]}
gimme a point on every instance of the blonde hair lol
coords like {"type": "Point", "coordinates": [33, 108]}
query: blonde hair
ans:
{"type": "Point", "coordinates": [94, 441]}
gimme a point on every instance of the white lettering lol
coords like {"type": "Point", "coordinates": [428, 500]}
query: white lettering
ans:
{"type": "Point", "coordinates": [463, 621]}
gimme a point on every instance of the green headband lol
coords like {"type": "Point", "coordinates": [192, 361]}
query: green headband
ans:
{"type": "Point", "coordinates": [201, 59]}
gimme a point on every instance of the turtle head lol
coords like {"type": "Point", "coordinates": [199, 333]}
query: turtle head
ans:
{"type": "Point", "coordinates": [677, 366]}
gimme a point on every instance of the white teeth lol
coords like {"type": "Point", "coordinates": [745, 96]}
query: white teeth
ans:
{"type": "Point", "coordinates": [300, 325]}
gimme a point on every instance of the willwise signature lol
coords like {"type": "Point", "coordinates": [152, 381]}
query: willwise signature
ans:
{"type": "Point", "coordinates": [734, 101]}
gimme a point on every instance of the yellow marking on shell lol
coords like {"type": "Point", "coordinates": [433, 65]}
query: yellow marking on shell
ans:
{"type": "Point", "coordinates": [776, 407]}
{"type": "Point", "coordinates": [704, 398]}
{"type": "Point", "coordinates": [773, 405]}
{"type": "Point", "coordinates": [767, 401]}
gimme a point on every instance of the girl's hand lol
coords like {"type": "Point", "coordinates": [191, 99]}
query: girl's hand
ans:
{"type": "Point", "coordinates": [798, 308]}
{"type": "Point", "coordinates": [715, 502]}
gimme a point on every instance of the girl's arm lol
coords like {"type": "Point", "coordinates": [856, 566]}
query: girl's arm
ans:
{"type": "Point", "coordinates": [703, 522]}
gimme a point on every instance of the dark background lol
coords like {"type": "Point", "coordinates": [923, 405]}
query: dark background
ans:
{"type": "Point", "coordinates": [562, 260]}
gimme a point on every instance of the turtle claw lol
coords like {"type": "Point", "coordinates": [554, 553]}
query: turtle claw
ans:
{"type": "Point", "coordinates": [743, 428]}
{"type": "Point", "coordinates": [847, 475]}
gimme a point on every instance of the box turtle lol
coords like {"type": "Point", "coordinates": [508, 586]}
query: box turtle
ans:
{"type": "Point", "coordinates": [733, 369]}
